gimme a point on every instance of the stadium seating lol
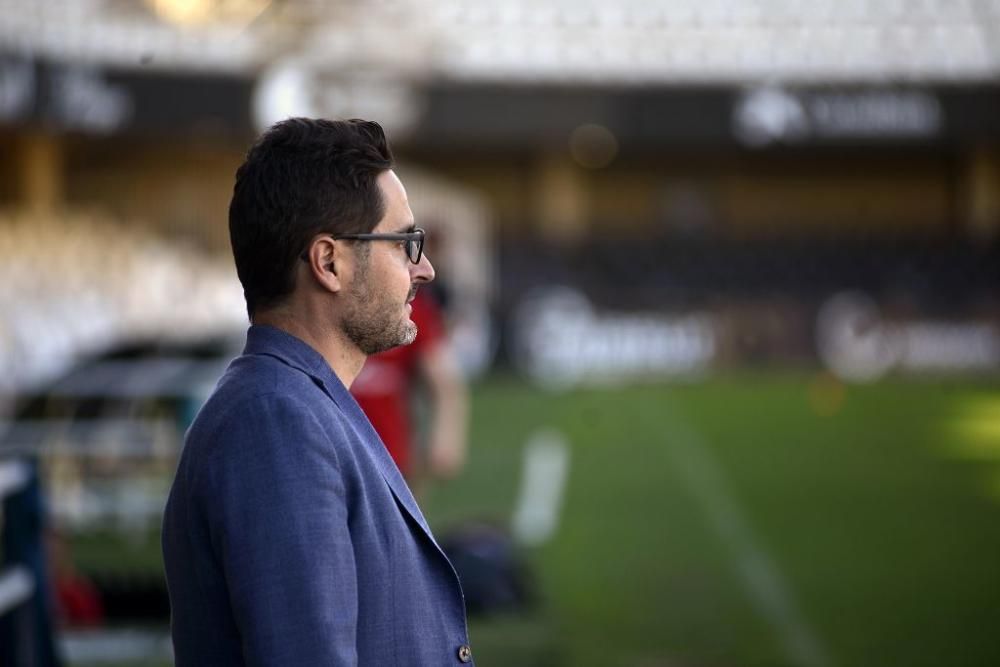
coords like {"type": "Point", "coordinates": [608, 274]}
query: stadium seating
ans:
{"type": "Point", "coordinates": [75, 283]}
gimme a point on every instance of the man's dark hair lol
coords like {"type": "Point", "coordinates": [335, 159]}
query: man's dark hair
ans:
{"type": "Point", "coordinates": [301, 178]}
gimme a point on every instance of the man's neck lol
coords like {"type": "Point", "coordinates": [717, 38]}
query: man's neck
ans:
{"type": "Point", "coordinates": [344, 358]}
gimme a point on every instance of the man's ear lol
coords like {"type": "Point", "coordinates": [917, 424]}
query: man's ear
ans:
{"type": "Point", "coordinates": [322, 262]}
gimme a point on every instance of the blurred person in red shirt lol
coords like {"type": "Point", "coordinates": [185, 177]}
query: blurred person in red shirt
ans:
{"type": "Point", "coordinates": [386, 388]}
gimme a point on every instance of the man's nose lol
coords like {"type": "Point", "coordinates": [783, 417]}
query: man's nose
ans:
{"type": "Point", "coordinates": [422, 271]}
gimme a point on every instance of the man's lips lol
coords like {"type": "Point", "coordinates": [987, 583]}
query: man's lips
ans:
{"type": "Point", "coordinates": [412, 295]}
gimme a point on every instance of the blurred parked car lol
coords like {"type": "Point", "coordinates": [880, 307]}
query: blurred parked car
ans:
{"type": "Point", "coordinates": [107, 435]}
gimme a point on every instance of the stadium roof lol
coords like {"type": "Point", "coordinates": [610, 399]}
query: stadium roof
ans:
{"type": "Point", "coordinates": [523, 41]}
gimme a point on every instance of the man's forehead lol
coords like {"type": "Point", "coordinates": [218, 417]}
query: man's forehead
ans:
{"type": "Point", "coordinates": [391, 184]}
{"type": "Point", "coordinates": [398, 217]}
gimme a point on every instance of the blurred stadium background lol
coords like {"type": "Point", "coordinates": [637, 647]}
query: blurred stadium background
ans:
{"type": "Point", "coordinates": [725, 277]}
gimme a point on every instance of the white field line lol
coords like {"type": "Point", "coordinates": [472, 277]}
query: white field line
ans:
{"type": "Point", "coordinates": [103, 646]}
{"type": "Point", "coordinates": [543, 481]}
{"type": "Point", "coordinates": [767, 588]}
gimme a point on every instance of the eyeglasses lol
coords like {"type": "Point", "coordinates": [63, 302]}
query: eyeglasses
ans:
{"type": "Point", "coordinates": [414, 241]}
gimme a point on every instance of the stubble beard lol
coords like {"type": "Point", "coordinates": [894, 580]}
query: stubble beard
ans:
{"type": "Point", "coordinates": [374, 323]}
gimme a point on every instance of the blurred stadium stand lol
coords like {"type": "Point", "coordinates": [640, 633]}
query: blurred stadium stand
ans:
{"type": "Point", "coordinates": [656, 155]}
{"type": "Point", "coordinates": [630, 41]}
{"type": "Point", "coordinates": [745, 159]}
{"type": "Point", "coordinates": [72, 284]}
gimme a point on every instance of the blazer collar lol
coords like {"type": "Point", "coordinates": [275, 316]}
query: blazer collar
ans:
{"type": "Point", "coordinates": [274, 342]}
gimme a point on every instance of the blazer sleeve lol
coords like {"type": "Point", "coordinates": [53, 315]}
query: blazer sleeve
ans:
{"type": "Point", "coordinates": [276, 507]}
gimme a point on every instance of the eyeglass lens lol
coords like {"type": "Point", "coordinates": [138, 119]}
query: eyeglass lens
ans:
{"type": "Point", "coordinates": [415, 248]}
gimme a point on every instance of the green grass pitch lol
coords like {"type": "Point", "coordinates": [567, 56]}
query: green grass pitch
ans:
{"type": "Point", "coordinates": [876, 511]}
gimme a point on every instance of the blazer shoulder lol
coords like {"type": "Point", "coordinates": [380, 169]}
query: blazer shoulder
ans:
{"type": "Point", "coordinates": [260, 398]}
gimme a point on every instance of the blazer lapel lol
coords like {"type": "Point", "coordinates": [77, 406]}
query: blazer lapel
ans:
{"type": "Point", "coordinates": [290, 350]}
{"type": "Point", "coordinates": [383, 461]}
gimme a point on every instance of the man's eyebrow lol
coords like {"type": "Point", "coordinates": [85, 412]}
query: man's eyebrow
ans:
{"type": "Point", "coordinates": [407, 229]}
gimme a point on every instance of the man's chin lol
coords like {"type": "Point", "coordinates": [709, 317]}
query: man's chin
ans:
{"type": "Point", "coordinates": [410, 333]}
{"type": "Point", "coordinates": [407, 335]}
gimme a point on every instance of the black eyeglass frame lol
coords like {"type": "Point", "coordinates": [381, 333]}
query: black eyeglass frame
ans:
{"type": "Point", "coordinates": [414, 239]}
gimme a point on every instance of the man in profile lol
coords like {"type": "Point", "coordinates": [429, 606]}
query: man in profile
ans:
{"type": "Point", "coordinates": [290, 537]}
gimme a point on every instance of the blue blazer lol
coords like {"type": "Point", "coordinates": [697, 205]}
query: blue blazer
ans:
{"type": "Point", "coordinates": [290, 537]}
